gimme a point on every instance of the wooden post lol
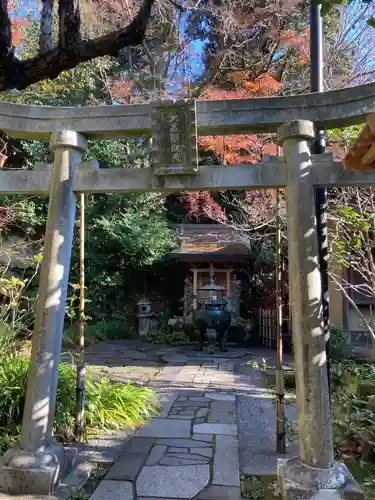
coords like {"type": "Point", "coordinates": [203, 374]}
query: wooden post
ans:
{"type": "Point", "coordinates": [280, 392]}
{"type": "Point", "coordinates": [229, 283]}
{"type": "Point", "coordinates": [81, 368]}
{"type": "Point", "coordinates": [195, 288]}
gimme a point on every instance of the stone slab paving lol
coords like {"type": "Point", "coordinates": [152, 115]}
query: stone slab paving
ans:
{"type": "Point", "coordinates": [256, 419]}
{"type": "Point", "coordinates": [108, 490]}
{"type": "Point", "coordinates": [191, 449]}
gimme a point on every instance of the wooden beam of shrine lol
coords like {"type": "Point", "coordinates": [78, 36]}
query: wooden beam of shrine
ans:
{"type": "Point", "coordinates": [270, 174]}
{"type": "Point", "coordinates": [337, 108]}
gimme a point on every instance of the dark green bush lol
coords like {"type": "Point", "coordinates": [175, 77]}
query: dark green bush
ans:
{"type": "Point", "coordinates": [167, 336]}
{"type": "Point", "coordinates": [118, 327]}
{"type": "Point", "coordinates": [339, 344]}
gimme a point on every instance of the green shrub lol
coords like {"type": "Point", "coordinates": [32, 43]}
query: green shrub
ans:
{"type": "Point", "coordinates": [108, 405]}
{"type": "Point", "coordinates": [167, 336]}
{"type": "Point", "coordinates": [118, 327]}
{"type": "Point", "coordinates": [339, 344]}
{"type": "Point", "coordinates": [10, 341]}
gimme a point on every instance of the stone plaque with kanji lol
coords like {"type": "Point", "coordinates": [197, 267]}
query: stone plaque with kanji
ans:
{"type": "Point", "coordinates": [174, 137]}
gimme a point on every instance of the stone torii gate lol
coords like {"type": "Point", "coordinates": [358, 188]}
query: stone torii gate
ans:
{"type": "Point", "coordinates": [37, 462]}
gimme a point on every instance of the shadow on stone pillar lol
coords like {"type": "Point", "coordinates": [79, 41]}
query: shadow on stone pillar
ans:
{"type": "Point", "coordinates": [314, 474]}
{"type": "Point", "coordinates": [37, 462]}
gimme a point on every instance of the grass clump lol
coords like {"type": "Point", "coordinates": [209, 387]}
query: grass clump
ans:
{"type": "Point", "coordinates": [108, 406]}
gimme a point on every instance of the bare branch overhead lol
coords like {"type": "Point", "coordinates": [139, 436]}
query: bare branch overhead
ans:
{"type": "Point", "coordinates": [71, 50]}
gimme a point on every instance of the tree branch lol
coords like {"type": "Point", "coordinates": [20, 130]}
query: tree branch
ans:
{"type": "Point", "coordinates": [5, 30]}
{"type": "Point", "coordinates": [16, 74]}
{"type": "Point", "coordinates": [352, 302]}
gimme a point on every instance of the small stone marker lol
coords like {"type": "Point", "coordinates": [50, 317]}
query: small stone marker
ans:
{"type": "Point", "coordinates": [174, 137]}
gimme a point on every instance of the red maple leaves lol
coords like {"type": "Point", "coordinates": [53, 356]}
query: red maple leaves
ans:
{"type": "Point", "coordinates": [18, 22]}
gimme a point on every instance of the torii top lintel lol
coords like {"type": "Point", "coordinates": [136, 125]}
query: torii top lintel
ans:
{"type": "Point", "coordinates": [338, 108]}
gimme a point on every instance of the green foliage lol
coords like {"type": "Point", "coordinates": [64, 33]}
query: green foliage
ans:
{"type": "Point", "coordinates": [328, 5]}
{"type": "Point", "coordinates": [111, 406]}
{"type": "Point", "coordinates": [169, 336]}
{"type": "Point", "coordinates": [16, 309]}
{"type": "Point", "coordinates": [125, 236]}
{"type": "Point", "coordinates": [108, 405]}
{"type": "Point", "coordinates": [344, 137]}
{"type": "Point", "coordinates": [353, 414]}
{"type": "Point", "coordinates": [357, 224]}
{"type": "Point", "coordinates": [120, 326]}
{"type": "Point", "coordinates": [339, 344]}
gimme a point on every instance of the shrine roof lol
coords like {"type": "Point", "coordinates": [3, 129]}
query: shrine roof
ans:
{"type": "Point", "coordinates": [361, 155]}
{"type": "Point", "coordinates": [210, 241]}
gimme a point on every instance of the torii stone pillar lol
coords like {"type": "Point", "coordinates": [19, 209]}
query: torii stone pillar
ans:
{"type": "Point", "coordinates": [36, 463]}
{"type": "Point", "coordinates": [314, 474]}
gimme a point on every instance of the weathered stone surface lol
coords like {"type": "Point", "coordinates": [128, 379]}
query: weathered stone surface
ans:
{"type": "Point", "coordinates": [113, 490]}
{"type": "Point", "coordinates": [221, 396]}
{"type": "Point", "coordinates": [166, 402]}
{"type": "Point", "coordinates": [296, 480]}
{"type": "Point", "coordinates": [226, 464]}
{"type": "Point", "coordinates": [199, 420]}
{"type": "Point", "coordinates": [227, 429]}
{"type": "Point", "coordinates": [222, 412]}
{"type": "Point", "coordinates": [13, 480]}
{"type": "Point", "coordinates": [190, 392]}
{"type": "Point", "coordinates": [5, 496]}
{"type": "Point", "coordinates": [189, 456]}
{"type": "Point", "coordinates": [203, 437]}
{"type": "Point", "coordinates": [175, 358]}
{"type": "Point", "coordinates": [192, 404]}
{"type": "Point", "coordinates": [165, 428]}
{"type": "Point", "coordinates": [314, 413]}
{"type": "Point", "coordinates": [220, 493]}
{"type": "Point", "coordinates": [206, 452]}
{"type": "Point", "coordinates": [76, 479]}
{"type": "Point", "coordinates": [180, 417]}
{"type": "Point", "coordinates": [213, 117]}
{"type": "Point", "coordinates": [157, 453]}
{"type": "Point", "coordinates": [184, 443]}
{"type": "Point", "coordinates": [201, 399]}
{"type": "Point", "coordinates": [178, 450]}
{"type": "Point", "coordinates": [128, 465]}
{"type": "Point", "coordinates": [201, 413]}
{"type": "Point", "coordinates": [173, 461]}
{"type": "Point", "coordinates": [173, 482]}
{"type": "Point", "coordinates": [187, 412]}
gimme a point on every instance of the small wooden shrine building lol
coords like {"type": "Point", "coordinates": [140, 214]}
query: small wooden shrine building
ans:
{"type": "Point", "coordinates": [215, 253]}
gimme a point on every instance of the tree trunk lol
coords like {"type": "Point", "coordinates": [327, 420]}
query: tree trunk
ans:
{"type": "Point", "coordinates": [69, 23]}
{"type": "Point", "coordinates": [46, 16]}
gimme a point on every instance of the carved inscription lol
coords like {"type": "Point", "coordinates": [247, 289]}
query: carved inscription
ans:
{"type": "Point", "coordinates": [174, 137]}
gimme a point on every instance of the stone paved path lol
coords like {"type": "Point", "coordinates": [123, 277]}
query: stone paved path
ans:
{"type": "Point", "coordinates": [217, 421]}
{"type": "Point", "coordinates": [191, 449]}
